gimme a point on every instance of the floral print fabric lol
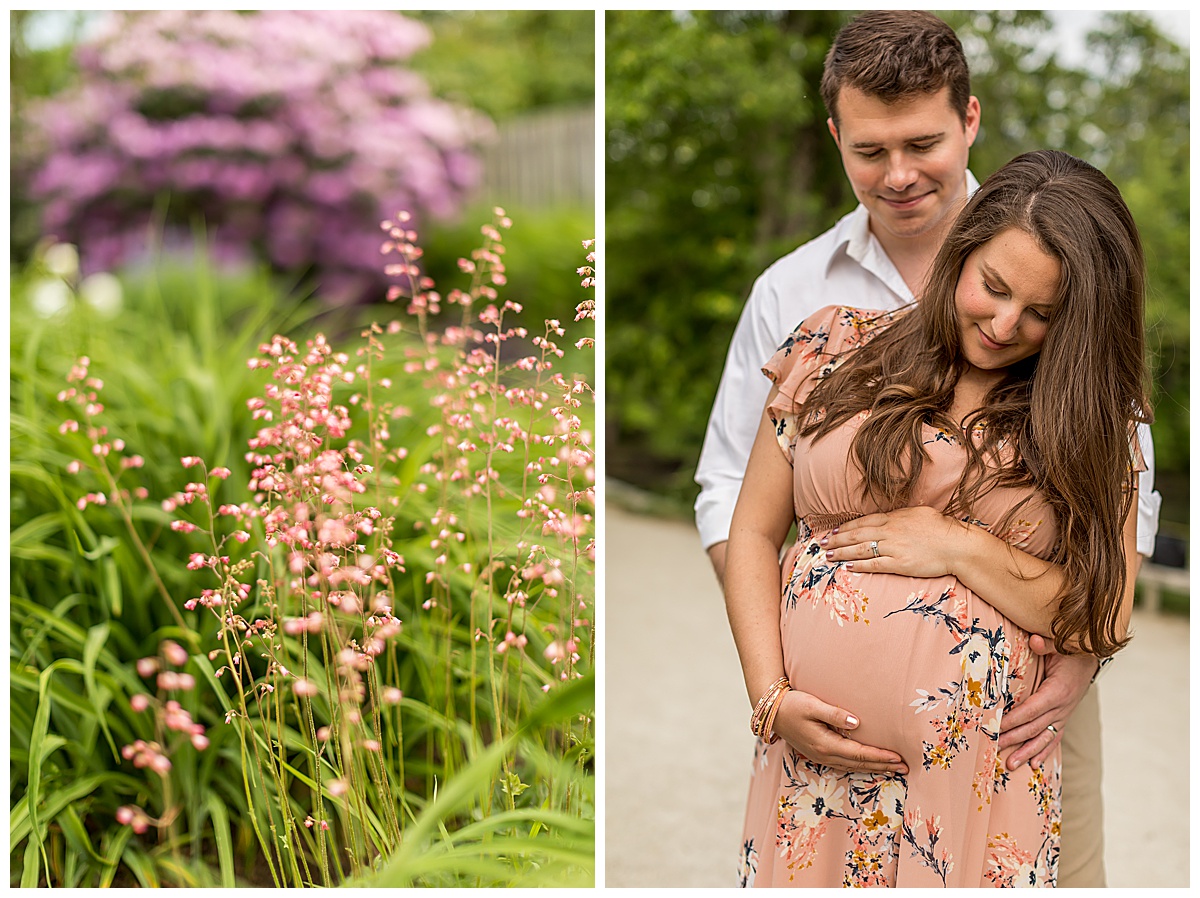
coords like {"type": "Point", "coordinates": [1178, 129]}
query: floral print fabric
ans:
{"type": "Point", "coordinates": [929, 669]}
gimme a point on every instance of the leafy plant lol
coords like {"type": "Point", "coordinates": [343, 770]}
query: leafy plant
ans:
{"type": "Point", "coordinates": [393, 611]}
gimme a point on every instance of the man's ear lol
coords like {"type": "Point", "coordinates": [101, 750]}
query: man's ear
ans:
{"type": "Point", "coordinates": [971, 124]}
{"type": "Point", "coordinates": [833, 130]}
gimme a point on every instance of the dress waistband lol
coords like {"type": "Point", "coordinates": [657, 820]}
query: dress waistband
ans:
{"type": "Point", "coordinates": [819, 522]}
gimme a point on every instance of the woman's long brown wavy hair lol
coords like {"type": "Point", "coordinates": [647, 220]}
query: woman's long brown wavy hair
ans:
{"type": "Point", "coordinates": [1060, 421]}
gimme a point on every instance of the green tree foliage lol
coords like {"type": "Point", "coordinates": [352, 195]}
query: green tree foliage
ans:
{"type": "Point", "coordinates": [718, 156]}
{"type": "Point", "coordinates": [34, 72]}
{"type": "Point", "coordinates": [471, 60]}
{"type": "Point", "coordinates": [719, 162]}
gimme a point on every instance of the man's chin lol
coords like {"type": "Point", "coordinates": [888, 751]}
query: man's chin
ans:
{"type": "Point", "coordinates": [908, 228]}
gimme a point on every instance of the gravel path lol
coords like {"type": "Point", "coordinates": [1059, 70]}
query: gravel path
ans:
{"type": "Point", "coordinates": [677, 748]}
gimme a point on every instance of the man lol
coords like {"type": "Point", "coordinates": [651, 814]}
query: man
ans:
{"type": "Point", "coordinates": [897, 89]}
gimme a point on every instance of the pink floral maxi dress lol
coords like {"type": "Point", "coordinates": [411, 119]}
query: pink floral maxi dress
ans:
{"type": "Point", "coordinates": [929, 669]}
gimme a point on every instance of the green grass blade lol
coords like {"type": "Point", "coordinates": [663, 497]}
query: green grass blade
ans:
{"type": "Point", "coordinates": [37, 747]}
{"type": "Point", "coordinates": [96, 638]}
{"type": "Point", "coordinates": [113, 857]}
{"type": "Point", "coordinates": [456, 792]}
{"type": "Point", "coordinates": [36, 531]}
{"type": "Point", "coordinates": [31, 870]}
{"type": "Point", "coordinates": [220, 821]}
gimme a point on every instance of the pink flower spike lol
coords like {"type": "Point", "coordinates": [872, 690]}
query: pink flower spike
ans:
{"type": "Point", "coordinates": [338, 788]}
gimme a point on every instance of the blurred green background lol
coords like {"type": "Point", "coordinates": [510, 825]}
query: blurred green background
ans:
{"type": "Point", "coordinates": [719, 162]}
{"type": "Point", "coordinates": [531, 72]}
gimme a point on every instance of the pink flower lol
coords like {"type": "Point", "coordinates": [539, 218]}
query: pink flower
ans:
{"type": "Point", "coordinates": [338, 787]}
{"type": "Point", "coordinates": [169, 681]}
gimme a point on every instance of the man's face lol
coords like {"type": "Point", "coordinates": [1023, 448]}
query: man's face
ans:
{"type": "Point", "coordinates": [906, 161]}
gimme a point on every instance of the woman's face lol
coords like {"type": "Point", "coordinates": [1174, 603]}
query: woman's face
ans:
{"type": "Point", "coordinates": [1004, 298]}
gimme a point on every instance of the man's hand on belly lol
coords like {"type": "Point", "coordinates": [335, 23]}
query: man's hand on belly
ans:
{"type": "Point", "coordinates": [1035, 726]}
{"type": "Point", "coordinates": [818, 730]}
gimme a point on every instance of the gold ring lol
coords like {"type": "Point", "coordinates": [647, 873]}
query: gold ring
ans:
{"type": "Point", "coordinates": [1051, 728]}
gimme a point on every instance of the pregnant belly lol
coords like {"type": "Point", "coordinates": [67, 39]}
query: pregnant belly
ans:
{"type": "Point", "coordinates": [925, 665]}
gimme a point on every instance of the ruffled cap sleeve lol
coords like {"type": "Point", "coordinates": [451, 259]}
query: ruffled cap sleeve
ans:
{"type": "Point", "coordinates": [811, 352]}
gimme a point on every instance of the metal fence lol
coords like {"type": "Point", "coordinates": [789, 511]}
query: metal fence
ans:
{"type": "Point", "coordinates": [543, 159]}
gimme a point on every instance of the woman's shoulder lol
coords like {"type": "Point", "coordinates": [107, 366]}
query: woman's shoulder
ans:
{"type": "Point", "coordinates": [835, 329]}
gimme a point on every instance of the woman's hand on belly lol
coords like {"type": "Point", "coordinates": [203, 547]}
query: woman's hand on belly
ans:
{"type": "Point", "coordinates": [817, 729]}
{"type": "Point", "coordinates": [913, 542]}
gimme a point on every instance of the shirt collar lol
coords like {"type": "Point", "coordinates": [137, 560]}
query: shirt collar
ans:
{"type": "Point", "coordinates": [855, 239]}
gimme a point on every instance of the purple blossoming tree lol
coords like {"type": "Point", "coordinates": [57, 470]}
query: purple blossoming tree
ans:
{"type": "Point", "coordinates": [292, 133]}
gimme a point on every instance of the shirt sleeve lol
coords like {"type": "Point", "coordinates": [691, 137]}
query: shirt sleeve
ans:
{"type": "Point", "coordinates": [1149, 501]}
{"type": "Point", "coordinates": [735, 415]}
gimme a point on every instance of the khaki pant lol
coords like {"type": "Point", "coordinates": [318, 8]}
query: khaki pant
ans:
{"type": "Point", "coordinates": [1081, 862]}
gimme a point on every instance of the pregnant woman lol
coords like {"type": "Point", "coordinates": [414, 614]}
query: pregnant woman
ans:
{"type": "Point", "coordinates": [961, 475]}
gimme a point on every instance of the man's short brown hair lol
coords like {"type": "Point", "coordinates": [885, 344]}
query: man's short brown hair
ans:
{"type": "Point", "coordinates": [893, 54]}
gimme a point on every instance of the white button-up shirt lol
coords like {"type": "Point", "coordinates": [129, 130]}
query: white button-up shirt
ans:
{"type": "Point", "coordinates": [844, 266]}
